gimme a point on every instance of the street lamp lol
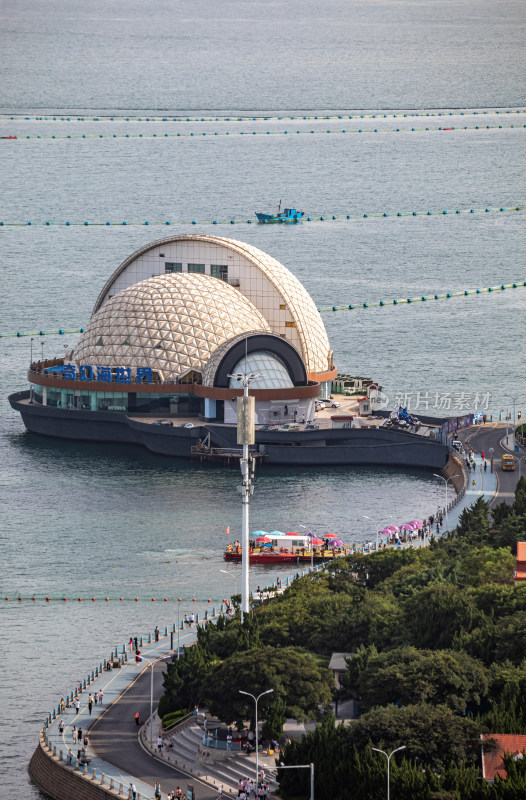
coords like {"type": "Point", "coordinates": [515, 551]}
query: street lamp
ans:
{"type": "Point", "coordinates": [491, 451]}
{"type": "Point", "coordinates": [446, 481]}
{"type": "Point", "coordinates": [231, 574]}
{"type": "Point", "coordinates": [378, 527]}
{"type": "Point", "coordinates": [522, 458]}
{"type": "Point", "coordinates": [388, 757]}
{"type": "Point", "coordinates": [303, 766]}
{"type": "Point", "coordinates": [31, 358]}
{"type": "Point", "coordinates": [246, 437]}
{"type": "Point", "coordinates": [256, 725]}
{"type": "Point", "coordinates": [310, 533]}
{"type": "Point", "coordinates": [42, 343]}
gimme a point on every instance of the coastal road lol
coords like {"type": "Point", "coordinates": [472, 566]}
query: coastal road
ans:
{"type": "Point", "coordinates": [113, 737]}
{"type": "Point", "coordinates": [481, 438]}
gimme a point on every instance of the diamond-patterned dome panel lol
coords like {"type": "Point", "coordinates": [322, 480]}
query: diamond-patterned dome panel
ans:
{"type": "Point", "coordinates": [170, 322]}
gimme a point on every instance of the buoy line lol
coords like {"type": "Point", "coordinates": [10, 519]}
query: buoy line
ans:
{"type": "Point", "coordinates": [322, 218]}
{"type": "Point", "coordinates": [107, 598]}
{"type": "Point", "coordinates": [259, 118]}
{"type": "Point", "coordinates": [99, 136]}
{"type": "Point", "coordinates": [349, 307]}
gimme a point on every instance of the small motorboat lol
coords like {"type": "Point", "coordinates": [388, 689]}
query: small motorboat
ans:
{"type": "Point", "coordinates": [287, 215]}
{"type": "Point", "coordinates": [8, 137]}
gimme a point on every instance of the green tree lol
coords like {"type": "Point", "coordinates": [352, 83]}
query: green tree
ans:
{"type": "Point", "coordinates": [409, 676]}
{"type": "Point", "coordinates": [433, 734]}
{"type": "Point", "coordinates": [184, 678]}
{"type": "Point", "coordinates": [297, 678]}
{"type": "Point", "coordinates": [276, 718]}
{"type": "Point", "coordinates": [435, 615]}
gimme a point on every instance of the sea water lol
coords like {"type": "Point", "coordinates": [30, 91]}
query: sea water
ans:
{"type": "Point", "coordinates": [79, 519]}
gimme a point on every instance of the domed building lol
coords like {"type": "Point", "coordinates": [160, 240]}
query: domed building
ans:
{"type": "Point", "coordinates": [171, 330]}
{"type": "Point", "coordinates": [176, 320]}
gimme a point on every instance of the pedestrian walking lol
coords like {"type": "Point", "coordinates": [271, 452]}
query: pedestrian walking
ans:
{"type": "Point", "coordinates": [90, 703]}
{"type": "Point", "coordinates": [157, 792]}
{"type": "Point", "coordinates": [133, 791]}
{"type": "Point", "coordinates": [135, 642]}
{"type": "Point", "coordinates": [159, 743]}
{"type": "Point", "coordinates": [96, 698]}
{"type": "Point", "coordinates": [101, 695]}
{"type": "Point", "coordinates": [74, 734]}
{"type": "Point", "coordinates": [76, 703]}
{"type": "Point", "coordinates": [61, 727]}
{"type": "Point", "coordinates": [156, 632]}
{"type": "Point", "coordinates": [79, 735]}
{"type": "Point", "coordinates": [220, 791]}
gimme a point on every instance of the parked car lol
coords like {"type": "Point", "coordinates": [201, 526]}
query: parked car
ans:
{"type": "Point", "coordinates": [269, 427]}
{"type": "Point", "coordinates": [289, 426]}
{"type": "Point", "coordinates": [187, 425]}
{"type": "Point", "coordinates": [312, 426]}
{"type": "Point", "coordinates": [163, 422]}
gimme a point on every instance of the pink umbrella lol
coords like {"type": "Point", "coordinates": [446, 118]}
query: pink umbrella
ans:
{"type": "Point", "coordinates": [336, 543]}
{"type": "Point", "coordinates": [386, 531]}
{"type": "Point", "coordinates": [263, 539]}
{"type": "Point", "coordinates": [406, 527]}
{"type": "Point", "coordinates": [416, 523]}
{"type": "Point", "coordinates": [393, 528]}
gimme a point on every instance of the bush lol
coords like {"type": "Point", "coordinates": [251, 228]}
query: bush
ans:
{"type": "Point", "coordinates": [173, 717]}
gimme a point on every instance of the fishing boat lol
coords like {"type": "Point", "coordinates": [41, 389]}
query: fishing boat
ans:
{"type": "Point", "coordinates": [287, 215]}
{"type": "Point", "coordinates": [275, 548]}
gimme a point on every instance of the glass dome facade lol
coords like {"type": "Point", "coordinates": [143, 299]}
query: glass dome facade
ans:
{"type": "Point", "coordinates": [272, 372]}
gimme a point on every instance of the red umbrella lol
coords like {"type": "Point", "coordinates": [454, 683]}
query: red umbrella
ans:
{"type": "Point", "coordinates": [291, 533]}
{"type": "Point", "coordinates": [317, 541]}
{"type": "Point", "coordinates": [263, 539]}
{"type": "Point", "coordinates": [330, 535]}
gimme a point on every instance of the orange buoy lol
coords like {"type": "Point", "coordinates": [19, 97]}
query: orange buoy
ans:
{"type": "Point", "coordinates": [165, 599]}
{"type": "Point", "coordinates": [80, 599]}
{"type": "Point", "coordinates": [179, 599]}
{"type": "Point", "coordinates": [122, 598]}
{"type": "Point", "coordinates": [193, 599]}
{"type": "Point", "coordinates": [19, 598]}
{"type": "Point", "coordinates": [33, 598]}
{"type": "Point", "coordinates": [47, 599]}
{"type": "Point", "coordinates": [65, 598]}
{"type": "Point", "coordinates": [153, 599]}
{"type": "Point", "coordinates": [107, 599]}
{"type": "Point", "coordinates": [136, 599]}
{"type": "Point", "coordinates": [209, 600]}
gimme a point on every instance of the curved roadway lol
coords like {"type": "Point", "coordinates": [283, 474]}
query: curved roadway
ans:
{"type": "Point", "coordinates": [114, 738]}
{"type": "Point", "coordinates": [480, 438]}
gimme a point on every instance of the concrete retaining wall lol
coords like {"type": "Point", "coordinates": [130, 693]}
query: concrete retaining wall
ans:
{"type": "Point", "coordinates": [62, 782]}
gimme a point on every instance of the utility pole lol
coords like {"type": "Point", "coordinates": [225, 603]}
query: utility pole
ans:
{"type": "Point", "coordinates": [246, 436]}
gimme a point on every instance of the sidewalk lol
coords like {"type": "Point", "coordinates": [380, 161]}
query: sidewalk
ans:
{"type": "Point", "coordinates": [113, 684]}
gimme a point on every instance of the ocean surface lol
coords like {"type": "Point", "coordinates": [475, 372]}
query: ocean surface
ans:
{"type": "Point", "coordinates": [93, 520]}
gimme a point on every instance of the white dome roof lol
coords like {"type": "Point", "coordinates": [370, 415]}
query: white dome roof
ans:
{"type": "Point", "coordinates": [171, 323]}
{"type": "Point", "coordinates": [308, 333]}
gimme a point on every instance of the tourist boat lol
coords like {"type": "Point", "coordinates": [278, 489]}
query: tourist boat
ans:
{"type": "Point", "coordinates": [279, 548]}
{"type": "Point", "coordinates": [287, 215]}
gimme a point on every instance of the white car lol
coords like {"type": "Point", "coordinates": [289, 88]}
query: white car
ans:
{"type": "Point", "coordinates": [289, 426]}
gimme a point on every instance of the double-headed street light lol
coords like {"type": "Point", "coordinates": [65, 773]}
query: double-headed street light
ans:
{"type": "Point", "coordinates": [446, 481]}
{"type": "Point", "coordinates": [388, 757]}
{"type": "Point", "coordinates": [256, 725]}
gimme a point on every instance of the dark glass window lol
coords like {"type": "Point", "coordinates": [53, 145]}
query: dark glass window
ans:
{"type": "Point", "coordinates": [173, 266]}
{"type": "Point", "coordinates": [219, 271]}
{"type": "Point", "coordinates": [200, 268]}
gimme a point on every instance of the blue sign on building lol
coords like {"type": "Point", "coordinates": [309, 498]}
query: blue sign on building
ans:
{"type": "Point", "coordinates": [105, 374]}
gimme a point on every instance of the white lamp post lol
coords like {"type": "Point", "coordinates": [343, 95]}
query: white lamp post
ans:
{"type": "Point", "coordinates": [232, 575]}
{"type": "Point", "coordinates": [246, 437]}
{"type": "Point", "coordinates": [520, 460]}
{"type": "Point", "coordinates": [310, 533]}
{"type": "Point", "coordinates": [446, 481]}
{"type": "Point", "coordinates": [378, 527]}
{"type": "Point", "coordinates": [257, 737]}
{"type": "Point", "coordinates": [388, 757]}
{"type": "Point", "coordinates": [303, 766]}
